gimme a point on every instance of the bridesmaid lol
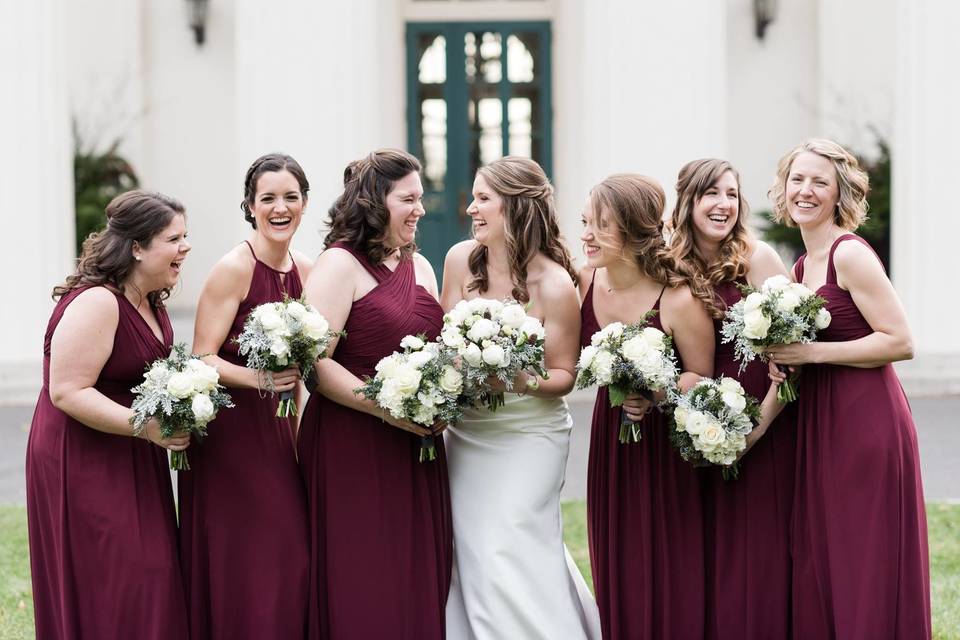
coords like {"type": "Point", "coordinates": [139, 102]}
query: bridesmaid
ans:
{"type": "Point", "coordinates": [102, 526]}
{"type": "Point", "coordinates": [746, 520]}
{"type": "Point", "coordinates": [859, 530]}
{"type": "Point", "coordinates": [380, 528]}
{"type": "Point", "coordinates": [243, 521]}
{"type": "Point", "coordinates": [513, 577]}
{"type": "Point", "coordinates": [643, 499]}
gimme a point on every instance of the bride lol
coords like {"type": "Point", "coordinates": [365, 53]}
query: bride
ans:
{"type": "Point", "coordinates": [512, 575]}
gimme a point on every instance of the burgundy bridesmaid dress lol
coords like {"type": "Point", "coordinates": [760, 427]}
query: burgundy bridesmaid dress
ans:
{"type": "Point", "coordinates": [859, 530]}
{"type": "Point", "coordinates": [746, 521]}
{"type": "Point", "coordinates": [380, 527]}
{"type": "Point", "coordinates": [243, 518]}
{"type": "Point", "coordinates": [100, 512]}
{"type": "Point", "coordinates": [644, 523]}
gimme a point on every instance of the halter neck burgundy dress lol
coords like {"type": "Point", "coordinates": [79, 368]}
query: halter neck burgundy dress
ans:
{"type": "Point", "coordinates": [380, 528]}
{"type": "Point", "coordinates": [243, 520]}
{"type": "Point", "coordinates": [644, 523]}
{"type": "Point", "coordinates": [102, 526]}
{"type": "Point", "coordinates": [859, 529]}
{"type": "Point", "coordinates": [746, 520]}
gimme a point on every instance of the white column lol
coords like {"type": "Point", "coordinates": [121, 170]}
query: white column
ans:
{"type": "Point", "coordinates": [925, 224]}
{"type": "Point", "coordinates": [36, 178]}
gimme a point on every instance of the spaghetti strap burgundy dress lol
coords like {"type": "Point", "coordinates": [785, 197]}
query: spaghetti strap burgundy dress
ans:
{"type": "Point", "coordinates": [644, 523]}
{"type": "Point", "coordinates": [859, 530]}
{"type": "Point", "coordinates": [100, 512]}
{"type": "Point", "coordinates": [243, 516]}
{"type": "Point", "coordinates": [380, 527]}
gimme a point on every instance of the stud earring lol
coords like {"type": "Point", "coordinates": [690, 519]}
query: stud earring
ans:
{"type": "Point", "coordinates": [137, 258]}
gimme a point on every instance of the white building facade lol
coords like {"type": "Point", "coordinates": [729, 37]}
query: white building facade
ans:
{"type": "Point", "coordinates": [587, 88]}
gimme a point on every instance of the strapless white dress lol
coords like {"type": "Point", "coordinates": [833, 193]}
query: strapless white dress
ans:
{"type": "Point", "coordinates": [513, 577]}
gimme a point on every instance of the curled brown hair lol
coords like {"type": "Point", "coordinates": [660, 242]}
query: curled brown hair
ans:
{"type": "Point", "coordinates": [529, 220]}
{"type": "Point", "coordinates": [269, 163]}
{"type": "Point", "coordinates": [359, 217]}
{"type": "Point", "coordinates": [695, 179]}
{"type": "Point", "coordinates": [134, 217]}
{"type": "Point", "coordinates": [634, 204]}
{"type": "Point", "coordinates": [852, 182]}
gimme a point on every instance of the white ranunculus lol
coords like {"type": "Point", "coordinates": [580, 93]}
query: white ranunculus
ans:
{"type": "Point", "coordinates": [452, 337]}
{"type": "Point", "coordinates": [635, 348]}
{"type": "Point", "coordinates": [315, 326]}
{"type": "Point", "coordinates": [696, 423]}
{"type": "Point", "coordinates": [387, 366]}
{"type": "Point", "coordinates": [680, 414]}
{"type": "Point", "coordinates": [458, 314]}
{"type": "Point", "coordinates": [205, 377]}
{"type": "Point", "coordinates": [602, 367]}
{"type": "Point", "coordinates": [734, 400]}
{"type": "Point", "coordinates": [822, 319]}
{"type": "Point", "coordinates": [411, 342]}
{"type": "Point", "coordinates": [731, 384]}
{"type": "Point", "coordinates": [296, 310]}
{"type": "Point", "coordinates": [512, 316]}
{"type": "Point", "coordinates": [482, 329]}
{"type": "Point", "coordinates": [391, 398]}
{"type": "Point", "coordinates": [202, 407]}
{"type": "Point", "coordinates": [654, 337]}
{"type": "Point", "coordinates": [451, 381]}
{"type": "Point", "coordinates": [425, 414]}
{"type": "Point", "coordinates": [755, 325]}
{"type": "Point", "coordinates": [586, 357]}
{"type": "Point", "coordinates": [420, 358]}
{"type": "Point", "coordinates": [494, 355]}
{"type": "Point", "coordinates": [712, 436]}
{"type": "Point", "coordinates": [772, 283]}
{"type": "Point", "coordinates": [800, 290]}
{"type": "Point", "coordinates": [279, 349]}
{"type": "Point", "coordinates": [270, 320]}
{"type": "Point", "coordinates": [180, 384]}
{"type": "Point", "coordinates": [787, 301]}
{"type": "Point", "coordinates": [753, 301]}
{"type": "Point", "coordinates": [532, 327]}
{"type": "Point", "coordinates": [472, 354]}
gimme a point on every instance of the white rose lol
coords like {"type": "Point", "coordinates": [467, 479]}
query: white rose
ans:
{"type": "Point", "coordinates": [775, 282]}
{"type": "Point", "coordinates": [734, 400]}
{"type": "Point", "coordinates": [653, 337]}
{"type": "Point", "coordinates": [712, 436]}
{"type": "Point", "coordinates": [270, 320]}
{"type": "Point", "coordinates": [388, 366]}
{"type": "Point", "coordinates": [586, 357]}
{"type": "Point", "coordinates": [755, 325]}
{"type": "Point", "coordinates": [822, 319]}
{"type": "Point", "coordinates": [731, 384]}
{"type": "Point", "coordinates": [420, 358]}
{"type": "Point", "coordinates": [787, 301]}
{"type": "Point", "coordinates": [180, 384]}
{"type": "Point", "coordinates": [635, 349]}
{"type": "Point", "coordinates": [411, 342]}
{"type": "Point", "coordinates": [532, 327]}
{"type": "Point", "coordinates": [296, 310]}
{"type": "Point", "coordinates": [407, 379]}
{"type": "Point", "coordinates": [205, 377]}
{"type": "Point", "coordinates": [680, 415]}
{"type": "Point", "coordinates": [512, 316]}
{"type": "Point", "coordinates": [452, 337]}
{"type": "Point", "coordinates": [472, 354]}
{"type": "Point", "coordinates": [280, 350]}
{"type": "Point", "coordinates": [451, 381]}
{"type": "Point", "coordinates": [602, 367]}
{"type": "Point", "coordinates": [458, 314]}
{"type": "Point", "coordinates": [482, 329]}
{"type": "Point", "coordinates": [696, 422]}
{"type": "Point", "coordinates": [315, 326]}
{"type": "Point", "coordinates": [752, 302]}
{"type": "Point", "coordinates": [202, 407]}
{"type": "Point", "coordinates": [494, 355]}
{"type": "Point", "coordinates": [800, 290]}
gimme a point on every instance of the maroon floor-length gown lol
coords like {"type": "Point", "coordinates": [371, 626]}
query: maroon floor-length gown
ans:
{"type": "Point", "coordinates": [243, 514]}
{"type": "Point", "coordinates": [859, 529]}
{"type": "Point", "coordinates": [102, 525]}
{"type": "Point", "coordinates": [380, 528]}
{"type": "Point", "coordinates": [644, 522]}
{"type": "Point", "coordinates": [746, 520]}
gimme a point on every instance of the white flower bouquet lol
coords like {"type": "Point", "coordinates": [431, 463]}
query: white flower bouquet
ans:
{"type": "Point", "coordinates": [633, 358]}
{"type": "Point", "coordinates": [780, 312]}
{"type": "Point", "coordinates": [711, 422]}
{"type": "Point", "coordinates": [183, 393]}
{"type": "Point", "coordinates": [278, 335]}
{"type": "Point", "coordinates": [420, 384]}
{"type": "Point", "coordinates": [493, 339]}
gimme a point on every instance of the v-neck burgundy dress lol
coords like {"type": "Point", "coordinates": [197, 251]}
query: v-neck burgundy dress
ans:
{"type": "Point", "coordinates": [859, 530]}
{"type": "Point", "coordinates": [243, 516]}
{"type": "Point", "coordinates": [380, 528]}
{"type": "Point", "coordinates": [102, 526]}
{"type": "Point", "coordinates": [644, 522]}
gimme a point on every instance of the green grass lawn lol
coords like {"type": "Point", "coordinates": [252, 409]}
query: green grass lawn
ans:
{"type": "Point", "coordinates": [16, 605]}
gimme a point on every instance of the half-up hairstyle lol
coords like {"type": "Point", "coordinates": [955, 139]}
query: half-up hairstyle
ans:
{"type": "Point", "coordinates": [270, 163]}
{"type": "Point", "coordinates": [634, 204]}
{"type": "Point", "coordinates": [529, 220]}
{"type": "Point", "coordinates": [359, 217]}
{"type": "Point", "coordinates": [733, 262]}
{"type": "Point", "coordinates": [136, 216]}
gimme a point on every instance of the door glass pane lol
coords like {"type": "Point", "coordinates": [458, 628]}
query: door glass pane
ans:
{"type": "Point", "coordinates": [482, 53]}
{"type": "Point", "coordinates": [433, 59]}
{"type": "Point", "coordinates": [521, 49]}
{"type": "Point", "coordinates": [521, 127]}
{"type": "Point", "coordinates": [434, 132]}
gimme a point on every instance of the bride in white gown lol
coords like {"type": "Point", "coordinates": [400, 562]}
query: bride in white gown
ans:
{"type": "Point", "coordinates": [512, 576]}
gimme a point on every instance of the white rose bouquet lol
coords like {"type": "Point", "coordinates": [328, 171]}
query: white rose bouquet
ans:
{"type": "Point", "coordinates": [278, 335]}
{"type": "Point", "coordinates": [780, 312]}
{"type": "Point", "coordinates": [420, 384]}
{"type": "Point", "coordinates": [711, 422]}
{"type": "Point", "coordinates": [493, 339]}
{"type": "Point", "coordinates": [183, 393]}
{"type": "Point", "coordinates": [633, 358]}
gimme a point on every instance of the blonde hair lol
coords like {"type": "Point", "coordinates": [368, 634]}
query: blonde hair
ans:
{"type": "Point", "coordinates": [530, 223]}
{"type": "Point", "coordinates": [732, 264]}
{"type": "Point", "coordinates": [852, 182]}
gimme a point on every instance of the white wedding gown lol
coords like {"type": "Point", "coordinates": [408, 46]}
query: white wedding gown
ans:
{"type": "Point", "coordinates": [512, 575]}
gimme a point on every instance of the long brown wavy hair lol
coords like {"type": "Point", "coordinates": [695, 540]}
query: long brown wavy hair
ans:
{"type": "Point", "coordinates": [695, 179]}
{"type": "Point", "coordinates": [634, 205]}
{"type": "Point", "coordinates": [359, 216]}
{"type": "Point", "coordinates": [529, 220]}
{"type": "Point", "coordinates": [136, 216]}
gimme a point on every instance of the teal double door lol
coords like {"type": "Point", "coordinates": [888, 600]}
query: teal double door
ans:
{"type": "Point", "coordinates": [476, 91]}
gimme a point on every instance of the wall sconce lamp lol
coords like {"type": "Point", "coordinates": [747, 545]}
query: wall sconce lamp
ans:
{"type": "Point", "coordinates": [198, 19]}
{"type": "Point", "coordinates": [764, 11]}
